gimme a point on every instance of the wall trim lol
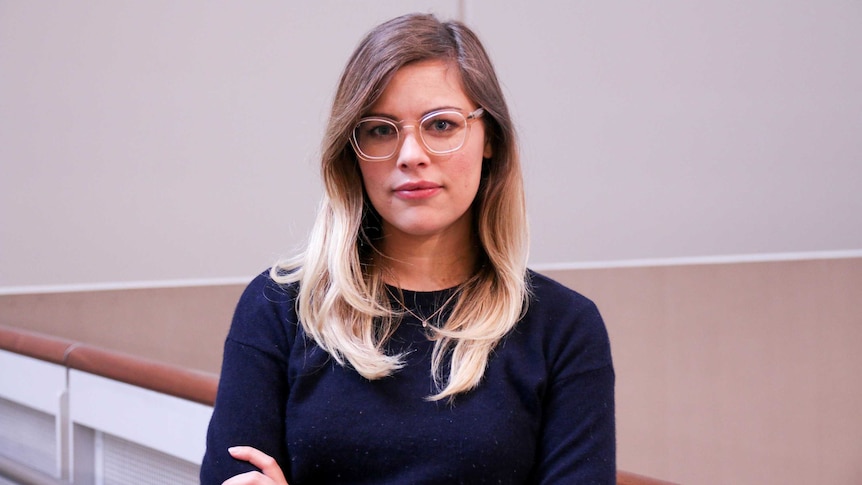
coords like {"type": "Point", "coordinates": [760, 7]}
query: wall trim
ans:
{"type": "Point", "coordinates": [699, 260]}
{"type": "Point", "coordinates": [125, 285]}
{"type": "Point", "coordinates": [623, 263]}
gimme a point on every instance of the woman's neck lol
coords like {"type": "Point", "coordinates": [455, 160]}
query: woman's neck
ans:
{"type": "Point", "coordinates": [427, 263]}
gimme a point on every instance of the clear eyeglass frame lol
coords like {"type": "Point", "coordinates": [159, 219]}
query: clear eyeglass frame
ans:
{"type": "Point", "coordinates": [399, 127]}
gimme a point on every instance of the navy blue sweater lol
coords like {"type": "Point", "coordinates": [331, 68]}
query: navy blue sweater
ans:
{"type": "Point", "coordinates": [544, 412]}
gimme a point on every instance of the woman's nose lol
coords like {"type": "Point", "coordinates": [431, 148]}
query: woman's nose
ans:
{"type": "Point", "coordinates": [412, 150]}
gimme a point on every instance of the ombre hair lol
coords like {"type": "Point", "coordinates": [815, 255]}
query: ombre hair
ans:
{"type": "Point", "coordinates": [343, 303]}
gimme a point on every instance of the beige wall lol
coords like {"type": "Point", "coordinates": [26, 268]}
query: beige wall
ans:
{"type": "Point", "coordinates": [726, 373]}
{"type": "Point", "coordinates": [736, 373]}
{"type": "Point", "coordinates": [183, 326]}
{"type": "Point", "coordinates": [167, 140]}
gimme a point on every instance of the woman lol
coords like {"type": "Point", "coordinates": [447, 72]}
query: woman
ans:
{"type": "Point", "coordinates": [409, 343]}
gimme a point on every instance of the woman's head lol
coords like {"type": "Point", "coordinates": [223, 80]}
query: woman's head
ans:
{"type": "Point", "coordinates": [343, 303]}
{"type": "Point", "coordinates": [408, 40]}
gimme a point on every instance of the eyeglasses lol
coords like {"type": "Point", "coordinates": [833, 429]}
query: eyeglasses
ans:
{"type": "Point", "coordinates": [445, 131]}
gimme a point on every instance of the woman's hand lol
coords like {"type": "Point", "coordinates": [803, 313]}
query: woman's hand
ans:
{"type": "Point", "coordinates": [270, 473]}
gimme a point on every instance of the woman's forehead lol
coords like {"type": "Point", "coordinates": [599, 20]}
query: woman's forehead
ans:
{"type": "Point", "coordinates": [421, 87]}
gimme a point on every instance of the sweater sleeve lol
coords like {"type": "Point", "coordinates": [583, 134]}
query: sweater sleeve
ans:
{"type": "Point", "coordinates": [578, 438]}
{"type": "Point", "coordinates": [250, 403]}
{"type": "Point", "coordinates": [579, 443]}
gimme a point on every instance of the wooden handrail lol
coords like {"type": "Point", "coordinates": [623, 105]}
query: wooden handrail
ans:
{"type": "Point", "coordinates": [36, 345]}
{"type": "Point", "coordinates": [175, 381]}
{"type": "Point", "coordinates": [168, 379]}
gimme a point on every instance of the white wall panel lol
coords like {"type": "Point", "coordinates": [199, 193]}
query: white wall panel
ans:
{"type": "Point", "coordinates": [165, 423]}
{"type": "Point", "coordinates": [31, 382]}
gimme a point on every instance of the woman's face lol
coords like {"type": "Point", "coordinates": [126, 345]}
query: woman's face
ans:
{"type": "Point", "coordinates": [418, 193]}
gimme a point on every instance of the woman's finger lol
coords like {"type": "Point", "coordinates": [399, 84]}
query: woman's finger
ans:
{"type": "Point", "coordinates": [249, 478]}
{"type": "Point", "coordinates": [267, 464]}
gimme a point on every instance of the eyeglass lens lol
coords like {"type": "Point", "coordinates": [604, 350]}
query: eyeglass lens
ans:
{"type": "Point", "coordinates": [442, 132]}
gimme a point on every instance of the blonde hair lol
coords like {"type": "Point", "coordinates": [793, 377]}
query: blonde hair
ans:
{"type": "Point", "coordinates": [343, 303]}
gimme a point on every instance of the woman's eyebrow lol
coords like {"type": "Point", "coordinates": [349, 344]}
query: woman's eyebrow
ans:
{"type": "Point", "coordinates": [426, 113]}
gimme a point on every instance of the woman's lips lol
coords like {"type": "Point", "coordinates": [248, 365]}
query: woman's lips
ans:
{"type": "Point", "coordinates": [417, 190]}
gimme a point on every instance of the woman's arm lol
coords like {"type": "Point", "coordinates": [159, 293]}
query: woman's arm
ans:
{"type": "Point", "coordinates": [252, 393]}
{"type": "Point", "coordinates": [578, 442]}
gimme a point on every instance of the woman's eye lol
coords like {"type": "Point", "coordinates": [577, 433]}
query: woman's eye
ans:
{"type": "Point", "coordinates": [381, 130]}
{"type": "Point", "coordinates": [439, 126]}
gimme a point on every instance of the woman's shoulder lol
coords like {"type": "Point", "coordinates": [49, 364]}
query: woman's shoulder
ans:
{"type": "Point", "coordinates": [548, 292]}
{"type": "Point", "coordinates": [264, 289]}
{"type": "Point", "coordinates": [266, 309]}
{"type": "Point", "coordinates": [567, 322]}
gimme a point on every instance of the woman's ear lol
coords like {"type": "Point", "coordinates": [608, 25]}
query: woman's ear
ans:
{"type": "Point", "coordinates": [489, 151]}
